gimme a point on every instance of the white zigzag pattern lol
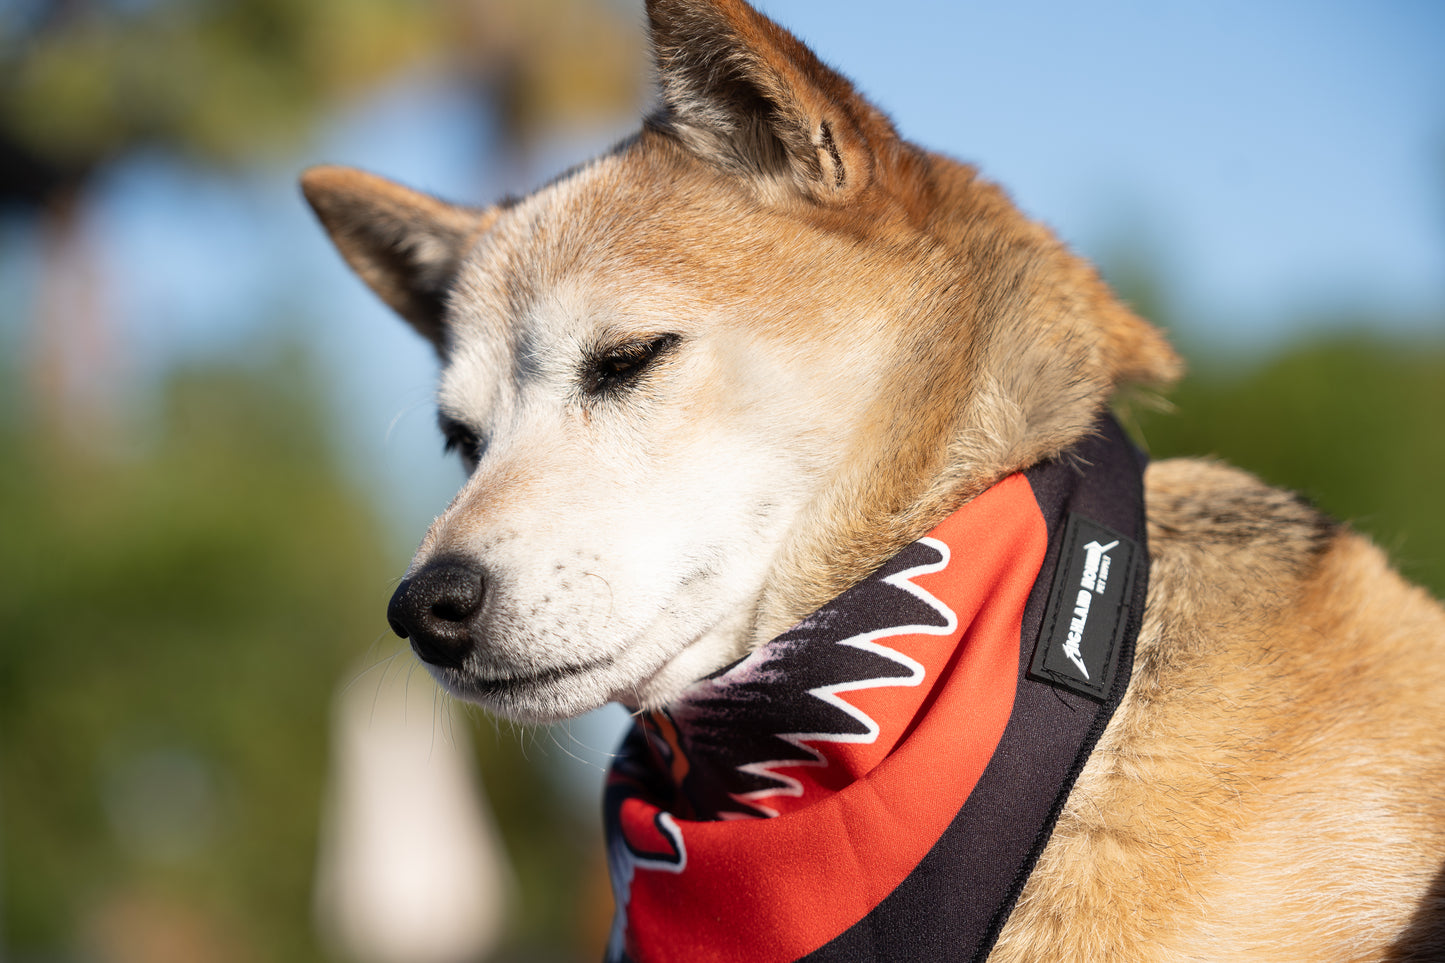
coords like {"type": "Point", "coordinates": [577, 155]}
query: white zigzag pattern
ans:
{"type": "Point", "coordinates": [831, 694]}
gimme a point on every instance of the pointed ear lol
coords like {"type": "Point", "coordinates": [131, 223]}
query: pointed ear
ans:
{"type": "Point", "coordinates": [406, 245]}
{"type": "Point", "coordinates": [744, 94]}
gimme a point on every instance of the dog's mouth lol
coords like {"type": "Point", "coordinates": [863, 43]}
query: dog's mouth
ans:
{"type": "Point", "coordinates": [563, 691]}
{"type": "Point", "coordinates": [511, 684]}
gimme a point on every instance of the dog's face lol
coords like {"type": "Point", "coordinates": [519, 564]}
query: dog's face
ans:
{"type": "Point", "coordinates": [640, 415]}
{"type": "Point", "coordinates": [632, 378]}
{"type": "Point", "coordinates": [691, 381]}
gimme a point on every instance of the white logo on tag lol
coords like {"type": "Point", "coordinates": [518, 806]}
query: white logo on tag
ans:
{"type": "Point", "coordinates": [1094, 581]}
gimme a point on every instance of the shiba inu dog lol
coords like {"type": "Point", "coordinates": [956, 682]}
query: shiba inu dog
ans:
{"type": "Point", "coordinates": [712, 379]}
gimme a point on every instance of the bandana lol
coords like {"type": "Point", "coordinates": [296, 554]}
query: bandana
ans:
{"type": "Point", "coordinates": [877, 782]}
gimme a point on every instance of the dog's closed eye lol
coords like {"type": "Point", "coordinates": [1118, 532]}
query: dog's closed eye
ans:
{"type": "Point", "coordinates": [461, 439]}
{"type": "Point", "coordinates": [613, 368]}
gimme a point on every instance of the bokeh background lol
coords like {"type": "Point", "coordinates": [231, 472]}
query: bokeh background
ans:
{"type": "Point", "coordinates": [217, 449]}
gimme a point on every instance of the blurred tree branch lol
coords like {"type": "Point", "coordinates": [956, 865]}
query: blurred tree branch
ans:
{"type": "Point", "coordinates": [85, 83]}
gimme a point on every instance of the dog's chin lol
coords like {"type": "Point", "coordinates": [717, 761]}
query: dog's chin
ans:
{"type": "Point", "coordinates": [701, 657]}
{"type": "Point", "coordinates": [549, 695]}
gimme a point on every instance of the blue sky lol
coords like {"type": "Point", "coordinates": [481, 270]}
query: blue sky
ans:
{"type": "Point", "coordinates": [1280, 157]}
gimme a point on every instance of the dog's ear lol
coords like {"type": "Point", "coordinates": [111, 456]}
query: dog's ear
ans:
{"type": "Point", "coordinates": [406, 245]}
{"type": "Point", "coordinates": [749, 97]}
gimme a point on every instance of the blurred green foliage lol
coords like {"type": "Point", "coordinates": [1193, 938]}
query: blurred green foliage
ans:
{"type": "Point", "coordinates": [176, 622]}
{"type": "Point", "coordinates": [82, 81]}
{"type": "Point", "coordinates": [1356, 424]}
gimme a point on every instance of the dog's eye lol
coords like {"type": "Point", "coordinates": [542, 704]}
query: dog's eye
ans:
{"type": "Point", "coordinates": [460, 439]}
{"type": "Point", "coordinates": [620, 365]}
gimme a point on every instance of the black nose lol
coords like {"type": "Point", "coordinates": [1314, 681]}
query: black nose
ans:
{"type": "Point", "coordinates": [434, 609]}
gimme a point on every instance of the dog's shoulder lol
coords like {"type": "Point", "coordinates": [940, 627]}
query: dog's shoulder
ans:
{"type": "Point", "coordinates": [1234, 558]}
{"type": "Point", "coordinates": [1281, 668]}
{"type": "Point", "coordinates": [1257, 595]}
{"type": "Point", "coordinates": [1218, 533]}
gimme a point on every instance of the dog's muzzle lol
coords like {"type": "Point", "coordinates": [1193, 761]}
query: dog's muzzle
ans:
{"type": "Point", "coordinates": [435, 609]}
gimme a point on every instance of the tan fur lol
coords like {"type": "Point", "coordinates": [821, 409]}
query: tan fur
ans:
{"type": "Point", "coordinates": [1273, 785]}
{"type": "Point", "coordinates": [896, 337]}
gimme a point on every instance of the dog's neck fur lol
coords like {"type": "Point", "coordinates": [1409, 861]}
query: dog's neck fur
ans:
{"type": "Point", "coordinates": [1022, 342]}
{"type": "Point", "coordinates": [1019, 365]}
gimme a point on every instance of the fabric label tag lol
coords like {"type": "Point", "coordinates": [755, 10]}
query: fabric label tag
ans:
{"type": "Point", "coordinates": [1088, 609]}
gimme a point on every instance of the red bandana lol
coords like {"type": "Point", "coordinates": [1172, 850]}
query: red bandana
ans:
{"type": "Point", "coordinates": [778, 809]}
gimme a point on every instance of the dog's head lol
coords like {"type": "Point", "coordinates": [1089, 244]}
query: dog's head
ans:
{"type": "Point", "coordinates": [708, 380]}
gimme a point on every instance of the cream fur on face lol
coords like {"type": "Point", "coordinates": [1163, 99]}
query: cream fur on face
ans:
{"type": "Point", "coordinates": [626, 537]}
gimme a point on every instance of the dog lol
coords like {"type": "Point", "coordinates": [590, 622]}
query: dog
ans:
{"type": "Point", "coordinates": [711, 380]}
